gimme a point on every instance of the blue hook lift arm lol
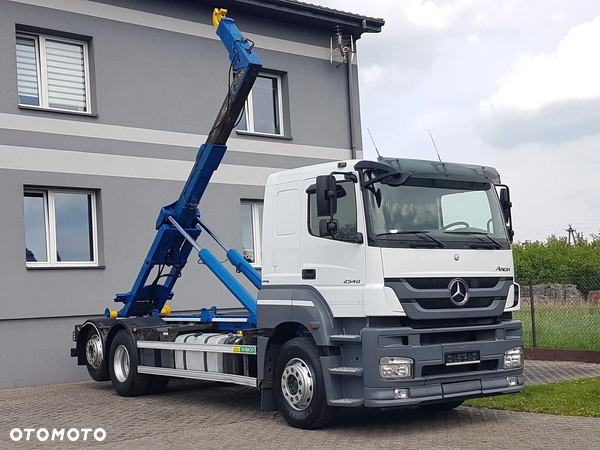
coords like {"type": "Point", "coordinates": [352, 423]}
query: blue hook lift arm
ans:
{"type": "Point", "coordinates": [234, 257]}
{"type": "Point", "coordinates": [171, 247]}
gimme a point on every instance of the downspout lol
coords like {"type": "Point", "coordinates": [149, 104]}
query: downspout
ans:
{"type": "Point", "coordinates": [351, 109]}
{"type": "Point", "coordinates": [346, 52]}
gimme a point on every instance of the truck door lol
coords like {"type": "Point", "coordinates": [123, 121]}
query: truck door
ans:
{"type": "Point", "coordinates": [335, 266]}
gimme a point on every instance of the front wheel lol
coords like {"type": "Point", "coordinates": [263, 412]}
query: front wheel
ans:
{"type": "Point", "coordinates": [299, 385]}
{"type": "Point", "coordinates": [123, 367]}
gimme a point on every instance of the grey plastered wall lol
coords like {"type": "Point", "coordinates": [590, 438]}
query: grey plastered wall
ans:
{"type": "Point", "coordinates": [144, 78]}
{"type": "Point", "coordinates": [158, 79]}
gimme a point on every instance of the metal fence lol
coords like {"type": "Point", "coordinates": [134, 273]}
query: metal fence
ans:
{"type": "Point", "coordinates": [563, 315]}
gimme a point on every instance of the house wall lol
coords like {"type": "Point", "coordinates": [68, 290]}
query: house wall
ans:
{"type": "Point", "coordinates": [159, 75]}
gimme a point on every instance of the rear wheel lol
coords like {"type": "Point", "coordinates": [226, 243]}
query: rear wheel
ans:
{"type": "Point", "coordinates": [299, 386]}
{"type": "Point", "coordinates": [95, 356]}
{"type": "Point", "coordinates": [123, 367]}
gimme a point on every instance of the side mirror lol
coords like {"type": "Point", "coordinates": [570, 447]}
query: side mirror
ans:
{"type": "Point", "coordinates": [326, 195]}
{"type": "Point", "coordinates": [505, 204]}
{"type": "Point", "coordinates": [328, 227]}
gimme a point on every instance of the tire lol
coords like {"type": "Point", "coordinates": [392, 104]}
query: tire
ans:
{"type": "Point", "coordinates": [440, 407]}
{"type": "Point", "coordinates": [95, 356]}
{"type": "Point", "coordinates": [299, 386]}
{"type": "Point", "coordinates": [157, 384]}
{"type": "Point", "coordinates": [123, 367]}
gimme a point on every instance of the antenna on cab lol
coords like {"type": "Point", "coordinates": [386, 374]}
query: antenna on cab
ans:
{"type": "Point", "coordinates": [434, 146]}
{"type": "Point", "coordinates": [374, 145]}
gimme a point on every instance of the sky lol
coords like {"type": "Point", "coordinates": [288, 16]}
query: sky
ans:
{"type": "Point", "coordinates": [514, 84]}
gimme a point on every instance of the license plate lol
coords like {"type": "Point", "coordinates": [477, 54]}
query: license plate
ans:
{"type": "Point", "coordinates": [456, 358]}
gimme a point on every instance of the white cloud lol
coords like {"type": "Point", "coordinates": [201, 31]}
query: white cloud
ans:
{"type": "Point", "coordinates": [558, 16]}
{"type": "Point", "coordinates": [426, 14]}
{"type": "Point", "coordinates": [473, 38]}
{"type": "Point", "coordinates": [371, 74]}
{"type": "Point", "coordinates": [463, 16]}
{"type": "Point", "coordinates": [415, 29]}
{"type": "Point", "coordinates": [570, 73]}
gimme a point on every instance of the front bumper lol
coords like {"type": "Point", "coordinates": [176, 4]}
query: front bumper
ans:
{"type": "Point", "coordinates": [441, 391]}
{"type": "Point", "coordinates": [434, 381]}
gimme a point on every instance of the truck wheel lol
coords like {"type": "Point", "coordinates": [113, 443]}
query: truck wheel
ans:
{"type": "Point", "coordinates": [123, 367]}
{"type": "Point", "coordinates": [95, 357]}
{"type": "Point", "coordinates": [299, 386]}
{"type": "Point", "coordinates": [157, 384]}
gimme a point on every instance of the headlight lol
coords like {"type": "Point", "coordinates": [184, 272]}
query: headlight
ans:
{"type": "Point", "coordinates": [392, 368]}
{"type": "Point", "coordinates": [513, 358]}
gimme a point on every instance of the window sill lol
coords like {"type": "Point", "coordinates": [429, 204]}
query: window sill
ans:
{"type": "Point", "coordinates": [266, 135]}
{"type": "Point", "coordinates": [65, 267]}
{"type": "Point", "coordinates": [60, 111]}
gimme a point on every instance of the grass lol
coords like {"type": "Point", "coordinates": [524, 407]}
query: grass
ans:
{"type": "Point", "coordinates": [564, 398]}
{"type": "Point", "coordinates": [571, 326]}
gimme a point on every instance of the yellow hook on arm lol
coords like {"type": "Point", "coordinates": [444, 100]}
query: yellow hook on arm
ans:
{"type": "Point", "coordinates": [218, 14]}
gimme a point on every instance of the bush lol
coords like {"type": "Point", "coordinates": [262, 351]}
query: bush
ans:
{"type": "Point", "coordinates": [558, 261]}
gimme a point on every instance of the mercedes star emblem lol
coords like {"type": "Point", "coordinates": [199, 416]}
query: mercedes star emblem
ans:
{"type": "Point", "coordinates": [459, 292]}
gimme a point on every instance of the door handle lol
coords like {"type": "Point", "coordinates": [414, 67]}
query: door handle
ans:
{"type": "Point", "coordinates": [309, 274]}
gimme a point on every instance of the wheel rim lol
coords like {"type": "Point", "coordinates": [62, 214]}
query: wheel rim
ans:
{"type": "Point", "coordinates": [121, 363]}
{"type": "Point", "coordinates": [93, 351]}
{"type": "Point", "coordinates": [297, 384]}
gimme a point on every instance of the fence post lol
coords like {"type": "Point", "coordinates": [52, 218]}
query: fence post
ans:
{"type": "Point", "coordinates": [533, 331]}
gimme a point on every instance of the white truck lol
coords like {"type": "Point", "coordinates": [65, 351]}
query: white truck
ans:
{"type": "Point", "coordinates": [384, 283]}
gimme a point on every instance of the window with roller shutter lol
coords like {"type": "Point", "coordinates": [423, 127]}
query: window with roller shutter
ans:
{"type": "Point", "coordinates": [52, 73]}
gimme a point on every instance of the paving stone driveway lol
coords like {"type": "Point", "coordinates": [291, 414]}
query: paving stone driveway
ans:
{"type": "Point", "coordinates": [204, 415]}
{"type": "Point", "coordinates": [537, 372]}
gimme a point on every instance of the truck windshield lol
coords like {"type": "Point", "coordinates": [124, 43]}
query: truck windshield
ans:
{"type": "Point", "coordinates": [435, 213]}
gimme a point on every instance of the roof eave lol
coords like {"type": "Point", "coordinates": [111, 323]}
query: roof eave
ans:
{"type": "Point", "coordinates": [315, 16]}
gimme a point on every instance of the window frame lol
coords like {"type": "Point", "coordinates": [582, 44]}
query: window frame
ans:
{"type": "Point", "coordinates": [249, 109]}
{"type": "Point", "coordinates": [256, 225]}
{"type": "Point", "coordinates": [42, 71]}
{"type": "Point", "coordinates": [50, 225]}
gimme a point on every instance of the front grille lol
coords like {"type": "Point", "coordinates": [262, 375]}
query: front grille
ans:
{"type": "Point", "coordinates": [457, 337]}
{"type": "Point", "coordinates": [450, 322]}
{"type": "Point", "coordinates": [442, 283]}
{"type": "Point", "coordinates": [442, 369]}
{"type": "Point", "coordinates": [445, 303]}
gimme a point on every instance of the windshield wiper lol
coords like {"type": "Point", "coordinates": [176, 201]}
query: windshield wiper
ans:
{"type": "Point", "coordinates": [495, 243]}
{"type": "Point", "coordinates": [419, 233]}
